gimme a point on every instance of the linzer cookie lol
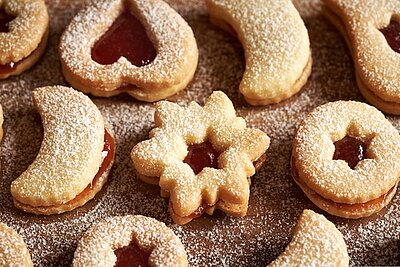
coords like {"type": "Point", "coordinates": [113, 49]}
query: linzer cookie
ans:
{"type": "Point", "coordinates": [130, 241]}
{"type": "Point", "coordinates": [316, 242]}
{"type": "Point", "coordinates": [371, 30]}
{"type": "Point", "coordinates": [276, 45]}
{"type": "Point", "coordinates": [346, 159]}
{"type": "Point", "coordinates": [141, 47]}
{"type": "Point", "coordinates": [23, 35]}
{"type": "Point", "coordinates": [13, 250]}
{"type": "Point", "coordinates": [75, 157]}
{"type": "Point", "coordinates": [201, 157]}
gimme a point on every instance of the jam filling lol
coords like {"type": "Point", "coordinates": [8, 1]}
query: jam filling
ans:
{"type": "Point", "coordinates": [131, 256]}
{"type": "Point", "coordinates": [392, 35]}
{"type": "Point", "coordinates": [200, 211]}
{"type": "Point", "coordinates": [201, 156]}
{"type": "Point", "coordinates": [351, 150]}
{"type": "Point", "coordinates": [125, 38]}
{"type": "Point", "coordinates": [5, 19]}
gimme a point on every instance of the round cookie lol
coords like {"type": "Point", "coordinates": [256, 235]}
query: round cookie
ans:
{"type": "Point", "coordinates": [151, 242]}
{"type": "Point", "coordinates": [335, 184]}
{"type": "Point", "coordinates": [13, 250]}
{"type": "Point", "coordinates": [24, 37]}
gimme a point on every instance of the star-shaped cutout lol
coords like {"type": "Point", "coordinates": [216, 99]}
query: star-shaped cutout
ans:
{"type": "Point", "coordinates": [160, 159]}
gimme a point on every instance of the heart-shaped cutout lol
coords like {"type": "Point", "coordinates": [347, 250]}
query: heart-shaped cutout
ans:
{"type": "Point", "coordinates": [5, 19]}
{"type": "Point", "coordinates": [127, 38]}
{"type": "Point", "coordinates": [392, 35]}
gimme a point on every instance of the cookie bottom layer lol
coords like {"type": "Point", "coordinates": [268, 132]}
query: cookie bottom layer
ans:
{"type": "Point", "coordinates": [233, 209]}
{"type": "Point", "coordinates": [349, 211]}
{"type": "Point", "coordinates": [81, 199]}
{"type": "Point", "coordinates": [29, 61]}
{"type": "Point", "coordinates": [367, 91]}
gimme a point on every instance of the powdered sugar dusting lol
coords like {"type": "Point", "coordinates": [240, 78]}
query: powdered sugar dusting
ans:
{"type": "Point", "coordinates": [275, 200]}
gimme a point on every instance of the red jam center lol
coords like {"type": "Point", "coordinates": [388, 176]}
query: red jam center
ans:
{"type": "Point", "coordinates": [351, 150]}
{"type": "Point", "coordinates": [201, 156]}
{"type": "Point", "coordinates": [4, 21]}
{"type": "Point", "coordinates": [131, 256]}
{"type": "Point", "coordinates": [125, 38]}
{"type": "Point", "coordinates": [392, 35]}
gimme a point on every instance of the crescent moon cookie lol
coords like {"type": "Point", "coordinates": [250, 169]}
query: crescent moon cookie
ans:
{"type": "Point", "coordinates": [131, 240]}
{"type": "Point", "coordinates": [276, 45]}
{"type": "Point", "coordinates": [75, 157]}
{"type": "Point", "coordinates": [24, 29]}
{"type": "Point", "coordinates": [316, 242]}
{"type": "Point", "coordinates": [13, 250]}
{"type": "Point", "coordinates": [141, 47]}
{"type": "Point", "coordinates": [346, 159]}
{"type": "Point", "coordinates": [371, 30]}
{"type": "Point", "coordinates": [201, 157]}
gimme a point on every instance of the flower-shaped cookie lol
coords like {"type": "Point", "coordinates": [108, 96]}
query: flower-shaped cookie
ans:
{"type": "Point", "coordinates": [202, 157]}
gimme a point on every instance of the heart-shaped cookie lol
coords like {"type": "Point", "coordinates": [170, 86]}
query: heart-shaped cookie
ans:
{"type": "Point", "coordinates": [141, 47]}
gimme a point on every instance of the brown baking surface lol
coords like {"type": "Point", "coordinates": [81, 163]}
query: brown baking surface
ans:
{"type": "Point", "coordinates": [219, 240]}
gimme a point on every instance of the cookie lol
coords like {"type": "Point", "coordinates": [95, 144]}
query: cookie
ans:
{"type": "Point", "coordinates": [124, 240]}
{"type": "Point", "coordinates": [371, 30]}
{"type": "Point", "coordinates": [75, 157]}
{"type": "Point", "coordinates": [13, 250]}
{"type": "Point", "coordinates": [24, 29]}
{"type": "Point", "coordinates": [276, 45]}
{"type": "Point", "coordinates": [1, 123]}
{"type": "Point", "coordinates": [201, 157]}
{"type": "Point", "coordinates": [346, 159]}
{"type": "Point", "coordinates": [315, 242]}
{"type": "Point", "coordinates": [141, 47]}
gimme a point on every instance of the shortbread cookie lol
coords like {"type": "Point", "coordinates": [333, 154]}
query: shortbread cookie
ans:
{"type": "Point", "coordinates": [23, 34]}
{"type": "Point", "coordinates": [13, 250]}
{"type": "Point", "coordinates": [75, 158]}
{"type": "Point", "coordinates": [371, 30]}
{"type": "Point", "coordinates": [1, 123]}
{"type": "Point", "coordinates": [141, 47]}
{"type": "Point", "coordinates": [121, 241]}
{"type": "Point", "coordinates": [346, 159]}
{"type": "Point", "coordinates": [276, 45]}
{"type": "Point", "coordinates": [315, 242]}
{"type": "Point", "coordinates": [201, 157]}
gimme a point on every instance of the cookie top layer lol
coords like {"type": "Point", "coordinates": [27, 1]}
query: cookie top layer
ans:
{"type": "Point", "coordinates": [177, 128]}
{"type": "Point", "coordinates": [96, 247]}
{"type": "Point", "coordinates": [313, 151]}
{"type": "Point", "coordinates": [275, 41]}
{"type": "Point", "coordinates": [26, 30]}
{"type": "Point", "coordinates": [315, 242]}
{"type": "Point", "coordinates": [170, 34]}
{"type": "Point", "coordinates": [13, 250]}
{"type": "Point", "coordinates": [70, 154]}
{"type": "Point", "coordinates": [378, 65]}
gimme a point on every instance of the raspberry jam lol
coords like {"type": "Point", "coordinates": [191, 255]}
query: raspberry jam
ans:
{"type": "Point", "coordinates": [125, 38]}
{"type": "Point", "coordinates": [201, 156]}
{"type": "Point", "coordinates": [351, 150]}
{"type": "Point", "coordinates": [200, 211]}
{"type": "Point", "coordinates": [392, 35]}
{"type": "Point", "coordinates": [131, 256]}
{"type": "Point", "coordinates": [5, 20]}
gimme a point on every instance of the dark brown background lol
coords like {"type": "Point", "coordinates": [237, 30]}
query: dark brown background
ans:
{"type": "Point", "coordinates": [275, 201]}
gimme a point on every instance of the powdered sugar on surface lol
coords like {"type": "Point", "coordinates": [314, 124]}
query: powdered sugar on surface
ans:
{"type": "Point", "coordinates": [220, 240]}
